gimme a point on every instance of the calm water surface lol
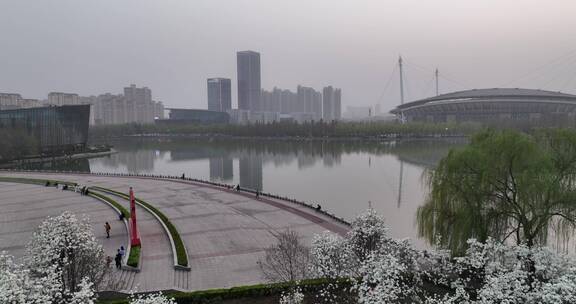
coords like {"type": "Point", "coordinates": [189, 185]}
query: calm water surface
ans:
{"type": "Point", "coordinates": [343, 177]}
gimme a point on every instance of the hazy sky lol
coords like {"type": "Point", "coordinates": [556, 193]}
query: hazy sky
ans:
{"type": "Point", "coordinates": [91, 47]}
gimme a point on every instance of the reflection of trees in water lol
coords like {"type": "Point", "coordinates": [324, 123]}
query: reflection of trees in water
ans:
{"type": "Point", "coordinates": [138, 154]}
{"type": "Point", "coordinates": [136, 161]}
{"type": "Point", "coordinates": [306, 153]}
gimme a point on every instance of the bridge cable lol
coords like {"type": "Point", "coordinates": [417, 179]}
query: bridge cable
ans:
{"type": "Point", "coordinates": [541, 67]}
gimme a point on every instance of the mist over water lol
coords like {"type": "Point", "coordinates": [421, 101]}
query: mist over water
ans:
{"type": "Point", "coordinates": [343, 177]}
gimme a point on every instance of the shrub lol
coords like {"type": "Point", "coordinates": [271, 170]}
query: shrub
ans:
{"type": "Point", "coordinates": [181, 256]}
{"type": "Point", "coordinates": [134, 256]}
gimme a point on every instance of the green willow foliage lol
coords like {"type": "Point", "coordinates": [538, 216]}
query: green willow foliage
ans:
{"type": "Point", "coordinates": [288, 129]}
{"type": "Point", "coordinates": [16, 143]}
{"type": "Point", "coordinates": [505, 184]}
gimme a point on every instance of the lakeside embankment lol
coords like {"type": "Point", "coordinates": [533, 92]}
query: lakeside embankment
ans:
{"type": "Point", "coordinates": [298, 138]}
{"type": "Point", "coordinates": [376, 131]}
{"type": "Point", "coordinates": [42, 159]}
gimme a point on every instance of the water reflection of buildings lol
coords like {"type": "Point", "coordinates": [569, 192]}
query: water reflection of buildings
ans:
{"type": "Point", "coordinates": [221, 168]}
{"type": "Point", "coordinates": [306, 160]}
{"type": "Point", "coordinates": [136, 161]}
{"type": "Point", "coordinates": [331, 159]}
{"type": "Point", "coordinates": [251, 171]}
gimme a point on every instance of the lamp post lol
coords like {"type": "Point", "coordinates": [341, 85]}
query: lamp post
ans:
{"type": "Point", "coordinates": [135, 238]}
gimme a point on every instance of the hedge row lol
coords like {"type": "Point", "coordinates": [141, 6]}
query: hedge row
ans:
{"type": "Point", "coordinates": [181, 256]}
{"type": "Point", "coordinates": [123, 210]}
{"type": "Point", "coordinates": [134, 256]}
{"type": "Point", "coordinates": [35, 181]}
{"type": "Point", "coordinates": [251, 291]}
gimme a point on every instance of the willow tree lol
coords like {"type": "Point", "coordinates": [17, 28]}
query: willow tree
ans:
{"type": "Point", "coordinates": [505, 185]}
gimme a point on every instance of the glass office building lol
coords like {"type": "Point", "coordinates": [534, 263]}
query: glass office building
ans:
{"type": "Point", "coordinates": [58, 129]}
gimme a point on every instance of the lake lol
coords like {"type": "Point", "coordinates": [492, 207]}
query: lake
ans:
{"type": "Point", "coordinates": [343, 177]}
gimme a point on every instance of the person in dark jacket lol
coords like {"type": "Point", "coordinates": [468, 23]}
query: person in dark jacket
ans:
{"type": "Point", "coordinates": [118, 260]}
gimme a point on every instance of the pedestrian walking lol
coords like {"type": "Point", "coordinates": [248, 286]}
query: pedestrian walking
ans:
{"type": "Point", "coordinates": [107, 227]}
{"type": "Point", "coordinates": [108, 261]}
{"type": "Point", "coordinates": [257, 194]}
{"type": "Point", "coordinates": [122, 251]}
{"type": "Point", "coordinates": [118, 260]}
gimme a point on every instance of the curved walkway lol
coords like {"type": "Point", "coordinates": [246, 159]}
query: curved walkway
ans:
{"type": "Point", "coordinates": [24, 206]}
{"type": "Point", "coordinates": [225, 232]}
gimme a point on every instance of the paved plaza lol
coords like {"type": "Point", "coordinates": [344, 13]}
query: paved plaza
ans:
{"type": "Point", "coordinates": [225, 233]}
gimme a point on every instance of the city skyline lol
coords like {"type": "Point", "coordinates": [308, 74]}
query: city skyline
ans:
{"type": "Point", "coordinates": [89, 48]}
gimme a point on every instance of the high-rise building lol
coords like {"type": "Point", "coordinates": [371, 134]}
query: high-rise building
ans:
{"type": "Point", "coordinates": [249, 86]}
{"type": "Point", "coordinates": [62, 99]}
{"type": "Point", "coordinates": [9, 101]}
{"type": "Point", "coordinates": [139, 105]}
{"type": "Point", "coordinates": [110, 110]}
{"type": "Point", "coordinates": [276, 100]}
{"type": "Point", "coordinates": [265, 101]}
{"type": "Point", "coordinates": [158, 110]}
{"type": "Point", "coordinates": [337, 104]}
{"type": "Point", "coordinates": [288, 102]}
{"type": "Point", "coordinates": [310, 102]}
{"type": "Point", "coordinates": [219, 94]}
{"type": "Point", "coordinates": [317, 105]}
{"type": "Point", "coordinates": [331, 104]}
{"type": "Point", "coordinates": [328, 103]}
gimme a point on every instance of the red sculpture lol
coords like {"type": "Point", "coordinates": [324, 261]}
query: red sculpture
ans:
{"type": "Point", "coordinates": [135, 238]}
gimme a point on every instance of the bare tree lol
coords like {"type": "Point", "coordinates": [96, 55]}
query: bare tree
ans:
{"type": "Point", "coordinates": [286, 260]}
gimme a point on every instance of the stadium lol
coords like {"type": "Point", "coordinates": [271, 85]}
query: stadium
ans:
{"type": "Point", "coordinates": [498, 106]}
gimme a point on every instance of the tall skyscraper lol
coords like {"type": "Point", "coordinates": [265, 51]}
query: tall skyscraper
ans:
{"type": "Point", "coordinates": [337, 104]}
{"type": "Point", "coordinates": [249, 86]}
{"type": "Point", "coordinates": [219, 94]}
{"type": "Point", "coordinates": [328, 103]}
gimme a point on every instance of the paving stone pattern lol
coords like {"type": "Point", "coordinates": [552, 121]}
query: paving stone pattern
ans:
{"type": "Point", "coordinates": [225, 232]}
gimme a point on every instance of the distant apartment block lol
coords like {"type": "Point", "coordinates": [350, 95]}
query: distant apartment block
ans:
{"type": "Point", "coordinates": [140, 107]}
{"type": "Point", "coordinates": [9, 101]}
{"type": "Point", "coordinates": [12, 101]}
{"type": "Point", "coordinates": [63, 99]}
{"type": "Point", "coordinates": [337, 104]}
{"type": "Point", "coordinates": [331, 104]}
{"type": "Point", "coordinates": [135, 106]}
{"type": "Point", "coordinates": [309, 101]}
{"type": "Point", "coordinates": [304, 105]}
{"type": "Point", "coordinates": [219, 94]}
{"type": "Point", "coordinates": [249, 85]}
